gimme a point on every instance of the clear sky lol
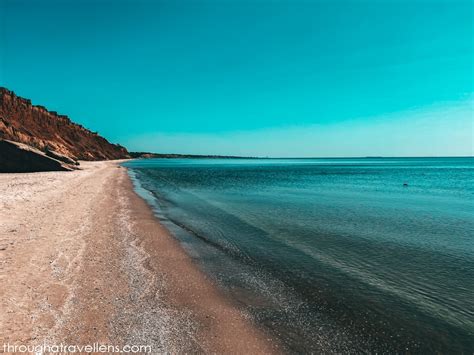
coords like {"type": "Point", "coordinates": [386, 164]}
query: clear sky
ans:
{"type": "Point", "coordinates": [264, 78]}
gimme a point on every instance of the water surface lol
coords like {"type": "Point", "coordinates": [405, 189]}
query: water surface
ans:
{"type": "Point", "coordinates": [333, 255]}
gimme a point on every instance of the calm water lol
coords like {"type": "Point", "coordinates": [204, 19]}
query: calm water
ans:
{"type": "Point", "coordinates": [332, 255]}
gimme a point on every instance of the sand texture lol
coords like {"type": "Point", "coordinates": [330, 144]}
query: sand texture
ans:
{"type": "Point", "coordinates": [83, 260]}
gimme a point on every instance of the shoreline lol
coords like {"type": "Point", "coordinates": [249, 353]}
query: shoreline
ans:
{"type": "Point", "coordinates": [84, 260]}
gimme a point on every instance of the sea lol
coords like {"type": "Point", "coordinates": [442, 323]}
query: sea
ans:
{"type": "Point", "coordinates": [356, 255]}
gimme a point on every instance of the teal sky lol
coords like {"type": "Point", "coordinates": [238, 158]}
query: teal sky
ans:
{"type": "Point", "coordinates": [266, 78]}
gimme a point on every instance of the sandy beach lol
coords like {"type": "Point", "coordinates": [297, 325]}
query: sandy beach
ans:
{"type": "Point", "coordinates": [83, 260]}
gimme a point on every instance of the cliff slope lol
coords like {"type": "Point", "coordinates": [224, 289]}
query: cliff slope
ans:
{"type": "Point", "coordinates": [20, 121]}
{"type": "Point", "coordinates": [21, 158]}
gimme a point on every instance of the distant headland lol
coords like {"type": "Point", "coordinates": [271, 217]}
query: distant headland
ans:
{"type": "Point", "coordinates": [148, 155]}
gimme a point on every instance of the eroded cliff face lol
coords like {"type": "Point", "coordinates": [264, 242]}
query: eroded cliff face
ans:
{"type": "Point", "coordinates": [20, 121]}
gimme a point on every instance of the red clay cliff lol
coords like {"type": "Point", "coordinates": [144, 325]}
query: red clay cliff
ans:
{"type": "Point", "coordinates": [20, 121]}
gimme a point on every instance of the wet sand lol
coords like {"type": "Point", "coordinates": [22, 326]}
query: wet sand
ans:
{"type": "Point", "coordinates": [83, 260]}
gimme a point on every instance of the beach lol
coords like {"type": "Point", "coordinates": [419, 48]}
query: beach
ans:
{"type": "Point", "coordinates": [83, 260]}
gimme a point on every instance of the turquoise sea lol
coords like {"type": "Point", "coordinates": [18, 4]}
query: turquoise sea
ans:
{"type": "Point", "coordinates": [330, 255]}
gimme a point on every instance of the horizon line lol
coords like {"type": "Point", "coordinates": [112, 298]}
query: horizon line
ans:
{"type": "Point", "coordinates": [169, 155]}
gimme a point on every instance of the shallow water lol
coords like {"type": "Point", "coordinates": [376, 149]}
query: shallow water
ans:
{"type": "Point", "coordinates": [333, 255]}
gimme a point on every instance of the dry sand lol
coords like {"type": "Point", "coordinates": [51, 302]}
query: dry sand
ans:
{"type": "Point", "coordinates": [83, 260]}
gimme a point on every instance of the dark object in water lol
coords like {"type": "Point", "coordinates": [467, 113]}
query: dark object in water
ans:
{"type": "Point", "coordinates": [405, 184]}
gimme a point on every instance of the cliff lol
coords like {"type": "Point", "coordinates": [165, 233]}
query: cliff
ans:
{"type": "Point", "coordinates": [20, 121]}
{"type": "Point", "coordinates": [21, 158]}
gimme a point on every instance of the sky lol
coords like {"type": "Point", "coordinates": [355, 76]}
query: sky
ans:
{"type": "Point", "coordinates": [282, 78]}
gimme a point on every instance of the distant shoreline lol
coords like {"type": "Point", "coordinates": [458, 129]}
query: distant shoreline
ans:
{"type": "Point", "coordinates": [144, 155]}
